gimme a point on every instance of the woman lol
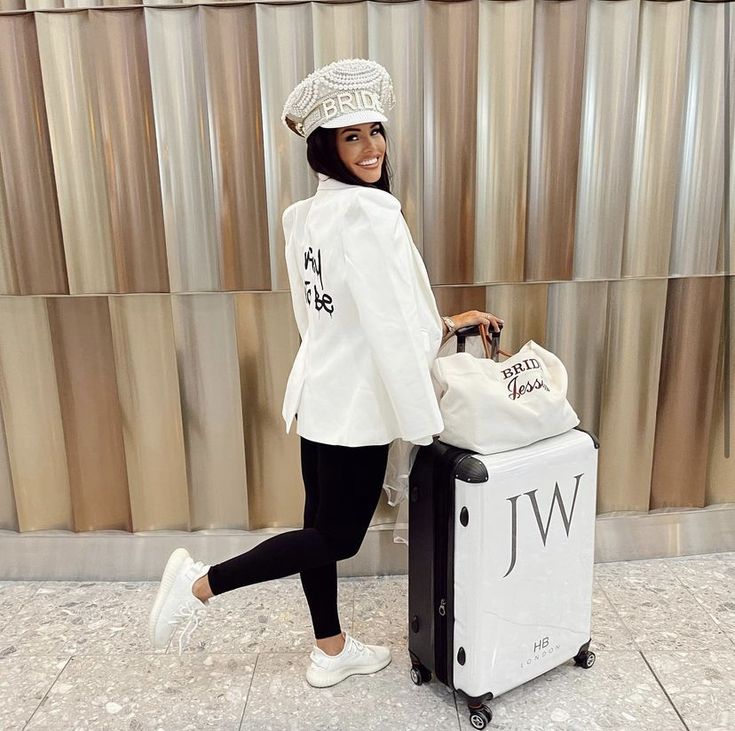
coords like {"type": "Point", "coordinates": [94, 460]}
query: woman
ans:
{"type": "Point", "coordinates": [361, 379]}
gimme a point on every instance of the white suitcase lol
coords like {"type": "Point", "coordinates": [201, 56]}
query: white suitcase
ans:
{"type": "Point", "coordinates": [501, 551]}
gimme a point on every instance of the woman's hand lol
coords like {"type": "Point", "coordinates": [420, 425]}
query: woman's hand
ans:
{"type": "Point", "coordinates": [474, 317]}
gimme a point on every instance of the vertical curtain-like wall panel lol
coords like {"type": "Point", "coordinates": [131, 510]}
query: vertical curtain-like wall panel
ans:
{"type": "Point", "coordinates": [604, 155]}
{"type": "Point", "coordinates": [720, 486]}
{"type": "Point", "coordinates": [662, 44]}
{"type": "Point", "coordinates": [558, 63]}
{"type": "Point", "coordinates": [90, 412]}
{"type": "Point", "coordinates": [560, 164]}
{"type": "Point", "coordinates": [396, 41]}
{"type": "Point", "coordinates": [29, 395]}
{"type": "Point", "coordinates": [206, 352]}
{"type": "Point", "coordinates": [8, 275]}
{"type": "Point", "coordinates": [184, 153]}
{"type": "Point", "coordinates": [575, 331]}
{"type": "Point", "coordinates": [450, 92]}
{"type": "Point", "coordinates": [700, 191]}
{"type": "Point", "coordinates": [8, 508]}
{"type": "Point", "coordinates": [686, 391]}
{"type": "Point", "coordinates": [340, 31]}
{"type": "Point", "coordinates": [523, 308]}
{"type": "Point", "coordinates": [148, 390]}
{"type": "Point", "coordinates": [233, 88]}
{"type": "Point", "coordinates": [32, 259]}
{"type": "Point", "coordinates": [69, 85]}
{"type": "Point", "coordinates": [503, 103]}
{"type": "Point", "coordinates": [43, 4]}
{"type": "Point", "coordinates": [118, 46]}
{"type": "Point", "coordinates": [728, 248]}
{"type": "Point", "coordinates": [635, 324]}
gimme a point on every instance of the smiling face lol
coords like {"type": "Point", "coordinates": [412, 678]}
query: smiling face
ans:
{"type": "Point", "coordinates": [361, 148]}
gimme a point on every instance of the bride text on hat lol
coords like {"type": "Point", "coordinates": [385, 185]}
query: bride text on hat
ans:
{"type": "Point", "coordinates": [349, 101]}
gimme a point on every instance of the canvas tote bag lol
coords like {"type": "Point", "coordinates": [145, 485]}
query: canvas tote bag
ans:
{"type": "Point", "coordinates": [490, 406]}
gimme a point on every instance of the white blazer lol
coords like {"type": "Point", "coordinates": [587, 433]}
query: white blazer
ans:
{"type": "Point", "coordinates": [367, 317]}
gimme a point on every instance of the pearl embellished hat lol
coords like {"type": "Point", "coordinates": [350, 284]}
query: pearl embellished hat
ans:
{"type": "Point", "coordinates": [350, 91]}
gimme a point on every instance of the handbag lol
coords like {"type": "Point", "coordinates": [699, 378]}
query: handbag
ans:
{"type": "Point", "coordinates": [489, 406]}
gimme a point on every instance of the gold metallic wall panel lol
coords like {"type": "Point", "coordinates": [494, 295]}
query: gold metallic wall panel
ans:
{"type": "Point", "coordinates": [630, 378]}
{"type": "Point", "coordinates": [454, 300]}
{"type": "Point", "coordinates": [90, 411]}
{"type": "Point", "coordinates": [605, 138]}
{"type": "Point", "coordinates": [8, 273]}
{"type": "Point", "coordinates": [32, 258]}
{"type": "Point", "coordinates": [503, 107]}
{"type": "Point", "coordinates": [182, 132]}
{"type": "Point", "coordinates": [720, 487]}
{"type": "Point", "coordinates": [29, 398]}
{"type": "Point", "coordinates": [286, 57]}
{"type": "Point", "coordinates": [699, 198]}
{"type": "Point", "coordinates": [78, 152]}
{"type": "Point", "coordinates": [575, 331]}
{"type": "Point", "coordinates": [686, 392]}
{"type": "Point", "coordinates": [396, 41]}
{"type": "Point", "coordinates": [233, 82]}
{"type": "Point", "coordinates": [726, 248]}
{"type": "Point", "coordinates": [43, 4]}
{"type": "Point", "coordinates": [8, 510]}
{"type": "Point", "coordinates": [267, 341]}
{"type": "Point", "coordinates": [6, 5]}
{"type": "Point", "coordinates": [662, 49]}
{"type": "Point", "coordinates": [729, 266]}
{"type": "Point", "coordinates": [523, 308]}
{"type": "Point", "coordinates": [209, 380]}
{"type": "Point", "coordinates": [148, 387]}
{"type": "Point", "coordinates": [340, 31]}
{"type": "Point", "coordinates": [450, 123]}
{"type": "Point", "coordinates": [118, 46]}
{"type": "Point", "coordinates": [558, 61]}
{"type": "Point", "coordinates": [523, 133]}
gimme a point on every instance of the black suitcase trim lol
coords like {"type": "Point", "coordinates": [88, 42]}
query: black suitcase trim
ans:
{"type": "Point", "coordinates": [594, 439]}
{"type": "Point", "coordinates": [431, 489]}
{"type": "Point", "coordinates": [470, 469]}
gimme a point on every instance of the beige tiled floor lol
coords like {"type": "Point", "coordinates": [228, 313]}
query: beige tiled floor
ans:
{"type": "Point", "coordinates": [75, 656]}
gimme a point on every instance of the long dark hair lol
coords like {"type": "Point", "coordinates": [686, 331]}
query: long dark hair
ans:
{"type": "Point", "coordinates": [321, 152]}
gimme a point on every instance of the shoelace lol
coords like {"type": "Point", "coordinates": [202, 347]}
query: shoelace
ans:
{"type": "Point", "coordinates": [191, 613]}
{"type": "Point", "coordinates": [357, 644]}
{"type": "Point", "coordinates": [354, 645]}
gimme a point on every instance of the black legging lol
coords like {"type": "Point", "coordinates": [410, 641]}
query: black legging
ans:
{"type": "Point", "coordinates": [342, 487]}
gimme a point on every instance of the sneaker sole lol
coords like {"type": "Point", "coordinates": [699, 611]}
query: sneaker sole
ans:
{"type": "Point", "coordinates": [167, 580]}
{"type": "Point", "coordinates": [329, 679]}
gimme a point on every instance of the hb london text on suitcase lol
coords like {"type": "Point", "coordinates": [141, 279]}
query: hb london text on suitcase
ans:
{"type": "Point", "coordinates": [501, 554]}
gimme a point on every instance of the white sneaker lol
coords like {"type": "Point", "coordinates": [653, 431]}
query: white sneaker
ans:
{"type": "Point", "coordinates": [175, 601]}
{"type": "Point", "coordinates": [355, 659]}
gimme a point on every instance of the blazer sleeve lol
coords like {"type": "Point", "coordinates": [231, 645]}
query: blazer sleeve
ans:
{"type": "Point", "coordinates": [295, 274]}
{"type": "Point", "coordinates": [379, 273]}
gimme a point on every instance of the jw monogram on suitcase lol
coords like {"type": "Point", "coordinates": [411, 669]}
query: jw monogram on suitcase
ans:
{"type": "Point", "coordinates": [501, 552]}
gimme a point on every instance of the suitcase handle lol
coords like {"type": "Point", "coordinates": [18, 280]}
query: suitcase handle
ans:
{"type": "Point", "coordinates": [490, 340]}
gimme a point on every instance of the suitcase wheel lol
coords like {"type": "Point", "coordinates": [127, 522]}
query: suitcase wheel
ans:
{"type": "Point", "coordinates": [480, 717]}
{"type": "Point", "coordinates": [419, 674]}
{"type": "Point", "coordinates": [585, 659]}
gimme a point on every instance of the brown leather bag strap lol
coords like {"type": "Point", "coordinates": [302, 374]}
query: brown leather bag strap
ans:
{"type": "Point", "coordinates": [484, 337]}
{"type": "Point", "coordinates": [486, 346]}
